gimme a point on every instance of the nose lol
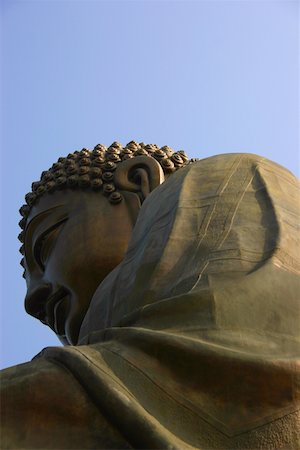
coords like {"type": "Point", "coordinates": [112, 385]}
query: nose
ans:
{"type": "Point", "coordinates": [36, 299]}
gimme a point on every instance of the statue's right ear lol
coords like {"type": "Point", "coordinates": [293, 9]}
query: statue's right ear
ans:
{"type": "Point", "coordinates": [140, 174]}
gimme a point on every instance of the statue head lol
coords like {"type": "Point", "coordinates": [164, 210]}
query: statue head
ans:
{"type": "Point", "coordinates": [77, 223]}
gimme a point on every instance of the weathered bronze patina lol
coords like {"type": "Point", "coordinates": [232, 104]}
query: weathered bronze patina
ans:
{"type": "Point", "coordinates": [177, 299]}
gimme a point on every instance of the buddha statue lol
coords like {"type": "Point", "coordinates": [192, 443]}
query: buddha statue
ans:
{"type": "Point", "coordinates": [173, 285]}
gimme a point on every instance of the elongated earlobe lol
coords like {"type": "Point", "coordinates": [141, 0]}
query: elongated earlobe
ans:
{"type": "Point", "coordinates": [140, 175]}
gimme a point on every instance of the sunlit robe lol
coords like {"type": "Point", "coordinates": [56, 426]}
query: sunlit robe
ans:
{"type": "Point", "coordinates": [192, 341]}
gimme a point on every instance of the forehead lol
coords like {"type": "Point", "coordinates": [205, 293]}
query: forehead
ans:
{"type": "Point", "coordinates": [66, 203]}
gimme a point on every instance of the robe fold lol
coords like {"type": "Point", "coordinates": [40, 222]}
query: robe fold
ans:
{"type": "Point", "coordinates": [193, 340]}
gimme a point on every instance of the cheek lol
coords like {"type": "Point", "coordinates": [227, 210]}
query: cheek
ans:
{"type": "Point", "coordinates": [59, 264]}
{"type": "Point", "coordinates": [85, 252]}
{"type": "Point", "coordinates": [76, 266]}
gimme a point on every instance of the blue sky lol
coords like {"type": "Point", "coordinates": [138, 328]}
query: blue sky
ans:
{"type": "Point", "coordinates": [208, 77]}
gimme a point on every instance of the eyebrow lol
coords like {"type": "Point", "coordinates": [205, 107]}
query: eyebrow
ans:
{"type": "Point", "coordinates": [40, 217]}
{"type": "Point", "coordinates": [44, 236]}
{"type": "Point", "coordinates": [38, 220]}
{"type": "Point", "coordinates": [40, 225]}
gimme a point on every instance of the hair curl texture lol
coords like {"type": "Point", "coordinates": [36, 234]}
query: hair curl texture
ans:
{"type": "Point", "coordinates": [94, 169]}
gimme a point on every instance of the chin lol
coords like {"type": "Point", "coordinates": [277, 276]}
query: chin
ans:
{"type": "Point", "coordinates": [72, 329]}
{"type": "Point", "coordinates": [63, 340]}
{"type": "Point", "coordinates": [74, 318]}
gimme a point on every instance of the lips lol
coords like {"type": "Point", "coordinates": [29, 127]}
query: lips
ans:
{"type": "Point", "coordinates": [56, 308]}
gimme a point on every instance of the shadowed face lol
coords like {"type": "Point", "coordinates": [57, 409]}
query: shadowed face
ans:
{"type": "Point", "coordinates": [73, 239]}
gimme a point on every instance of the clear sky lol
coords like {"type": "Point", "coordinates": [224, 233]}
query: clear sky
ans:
{"type": "Point", "coordinates": [208, 77]}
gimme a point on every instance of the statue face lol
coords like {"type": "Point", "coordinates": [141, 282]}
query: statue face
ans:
{"type": "Point", "coordinates": [73, 239]}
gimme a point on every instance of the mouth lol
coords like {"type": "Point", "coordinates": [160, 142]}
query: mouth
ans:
{"type": "Point", "coordinates": [56, 308]}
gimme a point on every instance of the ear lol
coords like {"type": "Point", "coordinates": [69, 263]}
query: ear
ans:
{"type": "Point", "coordinates": [140, 174]}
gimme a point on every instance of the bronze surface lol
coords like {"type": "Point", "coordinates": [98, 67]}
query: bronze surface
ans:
{"type": "Point", "coordinates": [179, 308]}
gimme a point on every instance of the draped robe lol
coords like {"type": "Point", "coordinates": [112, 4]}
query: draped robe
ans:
{"type": "Point", "coordinates": [193, 340]}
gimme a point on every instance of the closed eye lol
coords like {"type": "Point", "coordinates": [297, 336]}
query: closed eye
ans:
{"type": "Point", "coordinates": [45, 243]}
